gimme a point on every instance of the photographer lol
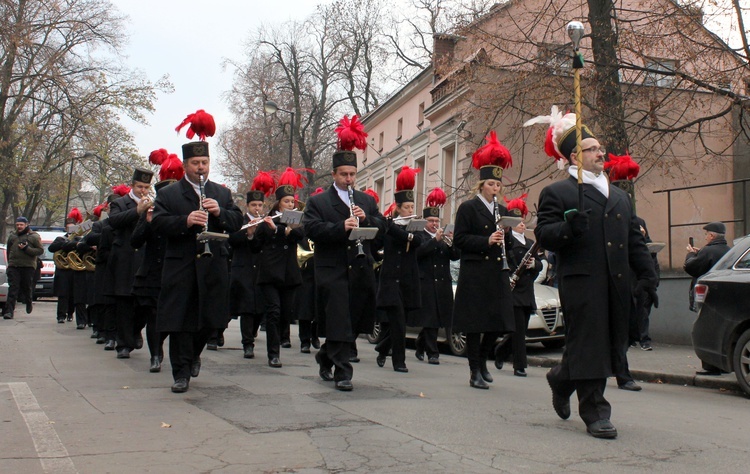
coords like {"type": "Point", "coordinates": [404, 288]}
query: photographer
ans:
{"type": "Point", "coordinates": [23, 249]}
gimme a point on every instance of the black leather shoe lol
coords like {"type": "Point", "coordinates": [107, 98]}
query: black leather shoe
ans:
{"type": "Point", "coordinates": [212, 346]}
{"type": "Point", "coordinates": [70, 318]}
{"type": "Point", "coordinates": [220, 341]}
{"type": "Point", "coordinates": [708, 372]}
{"type": "Point", "coordinates": [60, 321]}
{"type": "Point", "coordinates": [344, 385]}
{"type": "Point", "coordinates": [354, 360]}
{"type": "Point", "coordinates": [7, 316]}
{"type": "Point", "coordinates": [29, 307]}
{"type": "Point", "coordinates": [155, 365]}
{"type": "Point", "coordinates": [123, 353]}
{"type": "Point", "coordinates": [274, 362]}
{"type": "Point", "coordinates": [476, 380]}
{"type": "Point", "coordinates": [305, 349]}
{"type": "Point", "coordinates": [380, 360]}
{"type": "Point", "coordinates": [195, 368]}
{"type": "Point", "coordinates": [485, 373]}
{"type": "Point", "coordinates": [94, 335]}
{"type": "Point", "coordinates": [101, 340]}
{"type": "Point", "coordinates": [433, 361]}
{"type": "Point", "coordinates": [109, 345]}
{"type": "Point", "coordinates": [602, 429]}
{"type": "Point", "coordinates": [325, 374]}
{"type": "Point", "coordinates": [403, 370]}
{"type": "Point", "coordinates": [286, 344]}
{"type": "Point", "coordinates": [180, 386]}
{"type": "Point", "coordinates": [519, 372]}
{"type": "Point", "coordinates": [560, 402]}
{"type": "Point", "coordinates": [419, 355]}
{"type": "Point", "coordinates": [81, 326]}
{"type": "Point", "coordinates": [315, 343]}
{"type": "Point", "coordinates": [630, 385]}
{"type": "Point", "coordinates": [139, 342]}
{"type": "Point", "coordinates": [249, 352]}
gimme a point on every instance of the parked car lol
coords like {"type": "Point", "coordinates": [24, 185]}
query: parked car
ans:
{"type": "Point", "coordinates": [43, 287]}
{"type": "Point", "coordinates": [721, 333]}
{"type": "Point", "coordinates": [545, 325]}
{"type": "Point", "coordinates": [3, 277]}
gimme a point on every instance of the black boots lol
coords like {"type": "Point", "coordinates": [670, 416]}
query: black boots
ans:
{"type": "Point", "coordinates": [476, 380]}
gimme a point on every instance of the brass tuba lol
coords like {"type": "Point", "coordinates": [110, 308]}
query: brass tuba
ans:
{"type": "Point", "coordinates": [74, 261]}
{"type": "Point", "coordinates": [304, 255]}
{"type": "Point", "coordinates": [61, 260]}
{"type": "Point", "coordinates": [89, 261]}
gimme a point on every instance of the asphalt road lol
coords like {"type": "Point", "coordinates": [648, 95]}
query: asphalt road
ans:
{"type": "Point", "coordinates": [68, 406]}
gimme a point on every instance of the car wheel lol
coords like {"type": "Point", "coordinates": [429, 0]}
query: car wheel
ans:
{"type": "Point", "coordinates": [741, 361]}
{"type": "Point", "coordinates": [554, 343]}
{"type": "Point", "coordinates": [374, 336]}
{"type": "Point", "coordinates": [457, 343]}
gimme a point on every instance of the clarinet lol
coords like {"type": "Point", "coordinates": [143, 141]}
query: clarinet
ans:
{"type": "Point", "coordinates": [522, 265]}
{"type": "Point", "coordinates": [360, 248]}
{"type": "Point", "coordinates": [206, 248]}
{"type": "Point", "coordinates": [502, 242]}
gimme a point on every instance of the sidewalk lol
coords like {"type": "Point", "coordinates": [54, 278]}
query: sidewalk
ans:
{"type": "Point", "coordinates": [671, 364]}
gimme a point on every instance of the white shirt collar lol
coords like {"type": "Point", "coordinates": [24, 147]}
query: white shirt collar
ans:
{"type": "Point", "coordinates": [600, 181]}
{"type": "Point", "coordinates": [490, 204]}
{"type": "Point", "coordinates": [343, 194]}
{"type": "Point", "coordinates": [519, 237]}
{"type": "Point", "coordinates": [134, 197]}
{"type": "Point", "coordinates": [197, 186]}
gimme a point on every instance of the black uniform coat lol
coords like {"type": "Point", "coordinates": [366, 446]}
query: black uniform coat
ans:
{"type": "Point", "coordinates": [194, 291]}
{"type": "Point", "coordinates": [278, 256]}
{"type": "Point", "coordinates": [483, 299]}
{"type": "Point", "coordinates": [147, 282]}
{"type": "Point", "coordinates": [435, 282]}
{"type": "Point", "coordinates": [345, 284]}
{"type": "Point", "coordinates": [523, 293]}
{"type": "Point", "coordinates": [594, 273]}
{"type": "Point", "coordinates": [101, 238]}
{"type": "Point", "coordinates": [244, 295]}
{"type": "Point", "coordinates": [124, 260]}
{"type": "Point", "coordinates": [399, 273]}
{"type": "Point", "coordinates": [62, 284]}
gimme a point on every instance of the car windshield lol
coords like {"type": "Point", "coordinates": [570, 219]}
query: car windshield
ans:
{"type": "Point", "coordinates": [3, 256]}
{"type": "Point", "coordinates": [47, 255]}
{"type": "Point", "coordinates": [739, 250]}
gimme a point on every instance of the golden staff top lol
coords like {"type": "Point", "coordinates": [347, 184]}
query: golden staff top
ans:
{"type": "Point", "coordinates": [575, 32]}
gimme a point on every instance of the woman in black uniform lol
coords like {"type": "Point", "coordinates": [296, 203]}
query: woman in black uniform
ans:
{"type": "Point", "coordinates": [484, 307]}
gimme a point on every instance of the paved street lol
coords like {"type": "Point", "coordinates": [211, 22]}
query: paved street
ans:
{"type": "Point", "coordinates": [68, 406]}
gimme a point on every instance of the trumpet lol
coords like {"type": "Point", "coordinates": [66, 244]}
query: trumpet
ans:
{"type": "Point", "coordinates": [360, 248]}
{"type": "Point", "coordinates": [498, 228]}
{"type": "Point", "coordinates": [448, 241]}
{"type": "Point", "coordinates": [202, 238]}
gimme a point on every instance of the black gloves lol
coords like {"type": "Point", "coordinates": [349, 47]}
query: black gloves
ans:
{"type": "Point", "coordinates": [578, 221]}
{"type": "Point", "coordinates": [649, 288]}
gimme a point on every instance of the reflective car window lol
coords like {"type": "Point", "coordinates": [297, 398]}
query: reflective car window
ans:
{"type": "Point", "coordinates": [744, 262]}
{"type": "Point", "coordinates": [3, 256]}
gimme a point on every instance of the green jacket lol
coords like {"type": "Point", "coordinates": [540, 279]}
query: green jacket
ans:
{"type": "Point", "coordinates": [24, 257]}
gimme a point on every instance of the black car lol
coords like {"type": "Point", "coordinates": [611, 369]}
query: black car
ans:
{"type": "Point", "coordinates": [721, 334]}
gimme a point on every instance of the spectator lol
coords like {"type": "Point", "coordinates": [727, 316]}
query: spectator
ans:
{"type": "Point", "coordinates": [23, 249]}
{"type": "Point", "coordinates": [699, 261]}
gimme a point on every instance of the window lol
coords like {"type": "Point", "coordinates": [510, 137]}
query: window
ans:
{"type": "Point", "coordinates": [419, 187]}
{"type": "Point", "coordinates": [554, 58]}
{"type": "Point", "coordinates": [379, 190]}
{"type": "Point", "coordinates": [380, 141]}
{"type": "Point", "coordinates": [399, 128]}
{"type": "Point", "coordinates": [420, 116]}
{"type": "Point", "coordinates": [653, 78]}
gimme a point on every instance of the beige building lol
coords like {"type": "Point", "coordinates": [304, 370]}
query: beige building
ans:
{"type": "Point", "coordinates": [478, 82]}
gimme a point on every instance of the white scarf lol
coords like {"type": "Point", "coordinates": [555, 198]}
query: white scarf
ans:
{"type": "Point", "coordinates": [600, 181]}
{"type": "Point", "coordinates": [134, 197]}
{"type": "Point", "coordinates": [490, 204]}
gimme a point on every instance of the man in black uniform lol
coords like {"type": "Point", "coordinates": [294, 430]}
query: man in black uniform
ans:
{"type": "Point", "coordinates": [63, 283]}
{"type": "Point", "coordinates": [345, 284]}
{"type": "Point", "coordinates": [434, 257]}
{"type": "Point", "coordinates": [597, 246]}
{"type": "Point", "coordinates": [124, 260]}
{"type": "Point", "coordinates": [194, 298]}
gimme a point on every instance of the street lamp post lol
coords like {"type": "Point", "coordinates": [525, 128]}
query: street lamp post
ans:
{"type": "Point", "coordinates": [271, 107]}
{"type": "Point", "coordinates": [70, 182]}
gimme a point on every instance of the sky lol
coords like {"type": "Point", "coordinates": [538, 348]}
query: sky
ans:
{"type": "Point", "coordinates": [189, 40]}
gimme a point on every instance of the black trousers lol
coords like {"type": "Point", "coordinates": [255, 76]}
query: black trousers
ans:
{"type": "Point", "coordinates": [515, 343]}
{"type": "Point", "coordinates": [65, 307]}
{"type": "Point", "coordinates": [20, 284]}
{"type": "Point", "coordinates": [592, 406]}
{"type": "Point", "coordinates": [94, 311]}
{"type": "Point", "coordinates": [82, 314]}
{"type": "Point", "coordinates": [478, 347]}
{"type": "Point", "coordinates": [249, 324]}
{"type": "Point", "coordinates": [107, 322]}
{"type": "Point", "coordinates": [394, 336]}
{"type": "Point", "coordinates": [125, 321]}
{"type": "Point", "coordinates": [335, 354]}
{"type": "Point", "coordinates": [145, 316]}
{"type": "Point", "coordinates": [427, 342]}
{"type": "Point", "coordinates": [184, 348]}
{"type": "Point", "coordinates": [308, 331]}
{"type": "Point", "coordinates": [278, 301]}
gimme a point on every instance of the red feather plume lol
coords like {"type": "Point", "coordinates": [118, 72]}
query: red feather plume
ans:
{"type": "Point", "coordinates": [621, 167]}
{"type": "Point", "coordinates": [75, 214]}
{"type": "Point", "coordinates": [157, 157]}
{"type": "Point", "coordinates": [121, 189]}
{"type": "Point", "coordinates": [171, 168]}
{"type": "Point", "coordinates": [264, 181]}
{"type": "Point", "coordinates": [317, 191]}
{"type": "Point", "coordinates": [519, 203]}
{"type": "Point", "coordinates": [98, 210]}
{"type": "Point", "coordinates": [406, 178]}
{"type": "Point", "coordinates": [549, 146]}
{"type": "Point", "coordinates": [492, 153]}
{"type": "Point", "coordinates": [294, 177]}
{"type": "Point", "coordinates": [374, 195]}
{"type": "Point", "coordinates": [351, 134]}
{"type": "Point", "coordinates": [436, 198]}
{"type": "Point", "coordinates": [201, 124]}
{"type": "Point", "coordinates": [390, 209]}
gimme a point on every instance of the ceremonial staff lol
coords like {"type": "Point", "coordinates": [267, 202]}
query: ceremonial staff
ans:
{"type": "Point", "coordinates": [575, 32]}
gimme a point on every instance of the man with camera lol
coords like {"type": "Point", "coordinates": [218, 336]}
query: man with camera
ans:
{"type": "Point", "coordinates": [23, 249]}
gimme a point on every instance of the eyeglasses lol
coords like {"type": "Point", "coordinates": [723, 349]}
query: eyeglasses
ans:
{"type": "Point", "coordinates": [596, 150]}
